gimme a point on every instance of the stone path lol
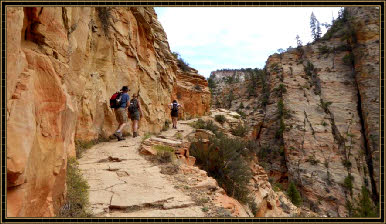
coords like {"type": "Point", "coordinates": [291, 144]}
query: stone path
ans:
{"type": "Point", "coordinates": [124, 184]}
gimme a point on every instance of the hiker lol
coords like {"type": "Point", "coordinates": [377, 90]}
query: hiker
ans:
{"type": "Point", "coordinates": [121, 111]}
{"type": "Point", "coordinates": [135, 111]}
{"type": "Point", "coordinates": [174, 107]}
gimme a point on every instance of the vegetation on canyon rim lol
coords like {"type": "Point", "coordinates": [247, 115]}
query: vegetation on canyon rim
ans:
{"type": "Point", "coordinates": [181, 62]}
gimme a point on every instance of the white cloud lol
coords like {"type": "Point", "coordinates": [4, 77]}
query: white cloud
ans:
{"type": "Point", "coordinates": [211, 38]}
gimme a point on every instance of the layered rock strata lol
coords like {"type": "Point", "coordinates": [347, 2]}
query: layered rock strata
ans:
{"type": "Point", "coordinates": [193, 93]}
{"type": "Point", "coordinates": [63, 64]}
{"type": "Point", "coordinates": [319, 127]}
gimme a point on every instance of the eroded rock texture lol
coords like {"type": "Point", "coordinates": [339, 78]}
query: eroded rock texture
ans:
{"type": "Point", "coordinates": [63, 64]}
{"type": "Point", "coordinates": [193, 93]}
{"type": "Point", "coordinates": [319, 127]}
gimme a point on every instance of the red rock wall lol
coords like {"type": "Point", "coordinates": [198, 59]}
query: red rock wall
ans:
{"type": "Point", "coordinates": [191, 90]}
{"type": "Point", "coordinates": [62, 68]}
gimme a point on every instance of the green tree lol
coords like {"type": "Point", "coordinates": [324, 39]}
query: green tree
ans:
{"type": "Point", "coordinates": [365, 206]}
{"type": "Point", "coordinates": [211, 83]}
{"type": "Point", "coordinates": [230, 98]}
{"type": "Point", "coordinates": [298, 41]}
{"type": "Point", "coordinates": [315, 27]}
{"type": "Point", "coordinates": [294, 194]}
{"type": "Point", "coordinates": [252, 83]}
{"type": "Point", "coordinates": [280, 50]}
{"type": "Point", "coordinates": [318, 30]}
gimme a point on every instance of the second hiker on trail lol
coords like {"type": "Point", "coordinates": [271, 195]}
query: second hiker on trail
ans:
{"type": "Point", "coordinates": [119, 102]}
{"type": "Point", "coordinates": [174, 107]}
{"type": "Point", "coordinates": [135, 111]}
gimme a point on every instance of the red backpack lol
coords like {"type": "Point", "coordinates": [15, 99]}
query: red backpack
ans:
{"type": "Point", "coordinates": [115, 100]}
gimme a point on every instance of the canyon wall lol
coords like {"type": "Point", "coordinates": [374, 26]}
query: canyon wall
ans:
{"type": "Point", "coordinates": [193, 93]}
{"type": "Point", "coordinates": [63, 64]}
{"type": "Point", "coordinates": [315, 113]}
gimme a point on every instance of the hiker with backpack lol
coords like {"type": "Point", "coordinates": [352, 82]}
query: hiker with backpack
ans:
{"type": "Point", "coordinates": [120, 102]}
{"type": "Point", "coordinates": [135, 113]}
{"type": "Point", "coordinates": [174, 112]}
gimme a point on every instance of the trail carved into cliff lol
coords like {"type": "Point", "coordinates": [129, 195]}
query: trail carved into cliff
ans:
{"type": "Point", "coordinates": [124, 184]}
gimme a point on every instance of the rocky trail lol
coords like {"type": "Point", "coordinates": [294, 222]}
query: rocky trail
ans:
{"type": "Point", "coordinates": [123, 183]}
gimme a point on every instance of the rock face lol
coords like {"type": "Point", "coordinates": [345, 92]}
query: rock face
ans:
{"type": "Point", "coordinates": [233, 90]}
{"type": "Point", "coordinates": [63, 64]}
{"type": "Point", "coordinates": [366, 58]}
{"type": "Point", "coordinates": [269, 202]}
{"type": "Point", "coordinates": [193, 93]}
{"type": "Point", "coordinates": [319, 127]}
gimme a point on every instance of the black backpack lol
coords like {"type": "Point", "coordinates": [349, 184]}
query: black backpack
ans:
{"type": "Point", "coordinates": [115, 100]}
{"type": "Point", "coordinates": [175, 107]}
{"type": "Point", "coordinates": [133, 107]}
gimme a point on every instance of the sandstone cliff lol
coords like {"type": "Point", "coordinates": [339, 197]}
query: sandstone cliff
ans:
{"type": "Point", "coordinates": [63, 64]}
{"type": "Point", "coordinates": [315, 113]}
{"type": "Point", "coordinates": [192, 90]}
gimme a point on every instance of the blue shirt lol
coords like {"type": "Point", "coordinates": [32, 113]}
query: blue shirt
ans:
{"type": "Point", "coordinates": [124, 99]}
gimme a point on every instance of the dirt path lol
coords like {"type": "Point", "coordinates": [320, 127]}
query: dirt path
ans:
{"type": "Point", "coordinates": [124, 184]}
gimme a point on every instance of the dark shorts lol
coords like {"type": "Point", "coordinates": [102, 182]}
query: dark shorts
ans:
{"type": "Point", "coordinates": [174, 113]}
{"type": "Point", "coordinates": [135, 116]}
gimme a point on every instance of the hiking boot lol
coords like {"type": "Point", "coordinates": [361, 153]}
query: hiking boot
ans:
{"type": "Point", "coordinates": [120, 138]}
{"type": "Point", "coordinates": [117, 134]}
{"type": "Point", "coordinates": [135, 134]}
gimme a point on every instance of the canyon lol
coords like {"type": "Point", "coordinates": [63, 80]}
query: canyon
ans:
{"type": "Point", "coordinates": [313, 112]}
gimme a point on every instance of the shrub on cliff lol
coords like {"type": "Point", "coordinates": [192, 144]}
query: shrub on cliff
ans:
{"type": "Point", "coordinates": [104, 14]}
{"type": "Point", "coordinates": [240, 130]}
{"type": "Point", "coordinates": [324, 49]}
{"type": "Point", "coordinates": [77, 203]}
{"type": "Point", "coordinates": [165, 154]}
{"type": "Point", "coordinates": [224, 161]}
{"type": "Point", "coordinates": [212, 84]}
{"type": "Point", "coordinates": [348, 183]}
{"type": "Point", "coordinates": [348, 59]}
{"type": "Point", "coordinates": [220, 118]}
{"type": "Point", "coordinates": [265, 87]}
{"type": "Point", "coordinates": [242, 114]}
{"type": "Point", "coordinates": [182, 64]}
{"type": "Point", "coordinates": [208, 125]}
{"type": "Point", "coordinates": [230, 79]}
{"type": "Point", "coordinates": [365, 206]}
{"type": "Point", "coordinates": [230, 98]}
{"type": "Point", "coordinates": [294, 194]}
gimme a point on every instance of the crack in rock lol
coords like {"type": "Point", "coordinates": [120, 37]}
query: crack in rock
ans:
{"type": "Point", "coordinates": [127, 209]}
{"type": "Point", "coordinates": [111, 159]}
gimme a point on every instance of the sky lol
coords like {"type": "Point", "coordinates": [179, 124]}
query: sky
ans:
{"type": "Point", "coordinates": [211, 38]}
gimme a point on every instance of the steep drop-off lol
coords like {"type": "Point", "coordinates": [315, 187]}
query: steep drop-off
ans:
{"type": "Point", "coordinates": [315, 113]}
{"type": "Point", "coordinates": [63, 64]}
